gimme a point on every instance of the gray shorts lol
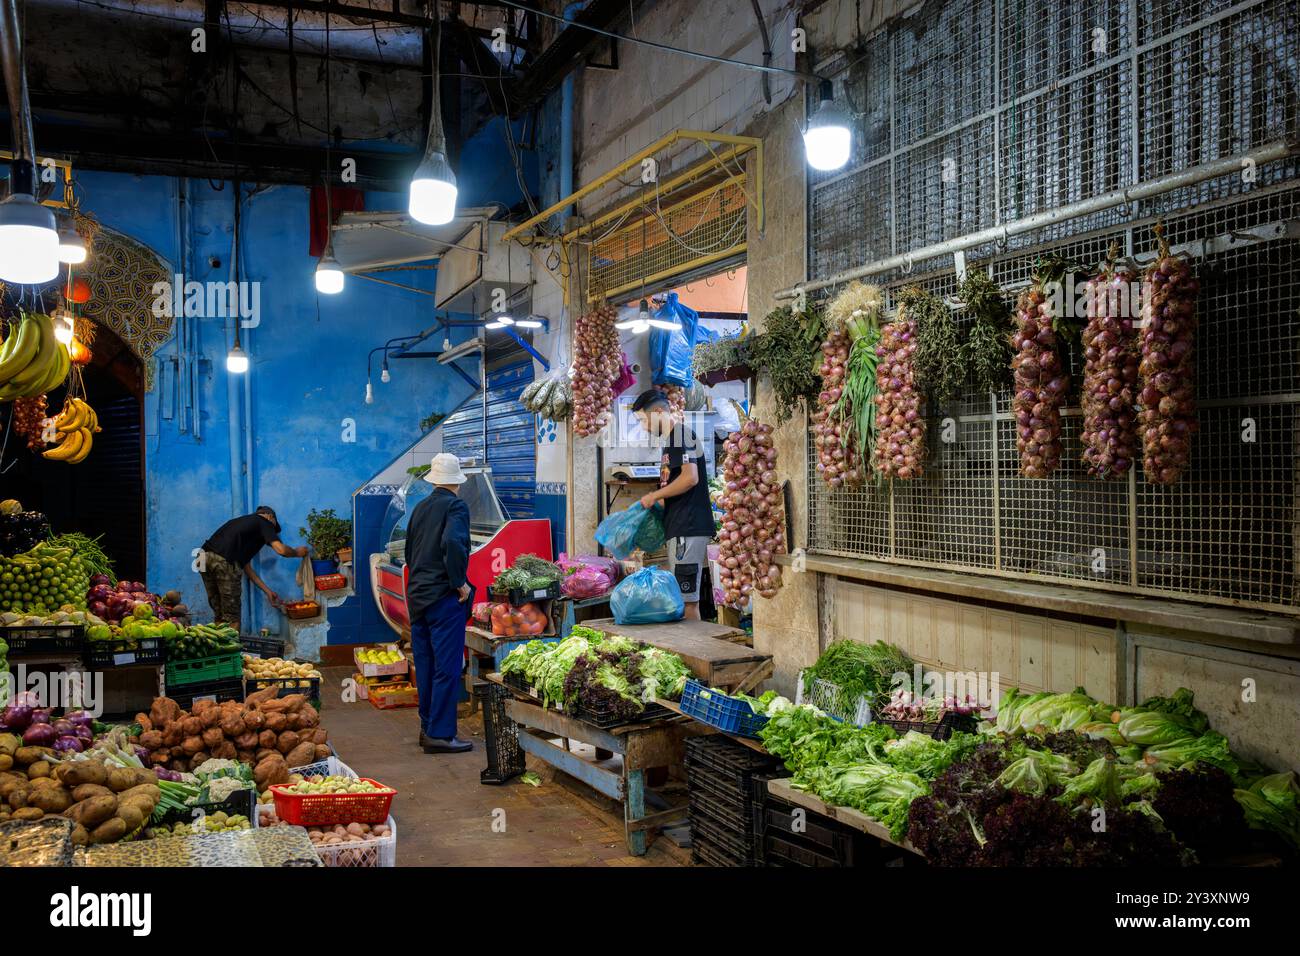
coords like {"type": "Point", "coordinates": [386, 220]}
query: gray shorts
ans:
{"type": "Point", "coordinates": [686, 559]}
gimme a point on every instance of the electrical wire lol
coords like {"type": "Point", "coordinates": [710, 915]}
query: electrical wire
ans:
{"type": "Point", "coordinates": [805, 75]}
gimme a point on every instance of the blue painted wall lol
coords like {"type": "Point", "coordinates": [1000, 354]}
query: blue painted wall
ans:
{"type": "Point", "coordinates": [308, 367]}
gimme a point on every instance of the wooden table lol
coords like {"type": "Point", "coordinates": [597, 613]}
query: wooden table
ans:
{"type": "Point", "coordinates": [783, 790]}
{"type": "Point", "coordinates": [750, 742]}
{"type": "Point", "coordinates": [708, 649]}
{"type": "Point", "coordinates": [482, 645]}
{"type": "Point", "coordinates": [652, 743]}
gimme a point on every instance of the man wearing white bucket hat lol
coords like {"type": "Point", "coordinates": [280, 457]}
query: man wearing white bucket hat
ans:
{"type": "Point", "coordinates": [437, 552]}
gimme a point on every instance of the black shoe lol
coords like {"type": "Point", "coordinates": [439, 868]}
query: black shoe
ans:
{"type": "Point", "coordinates": [443, 745]}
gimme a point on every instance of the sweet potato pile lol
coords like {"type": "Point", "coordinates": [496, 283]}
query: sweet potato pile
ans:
{"type": "Point", "coordinates": [271, 733]}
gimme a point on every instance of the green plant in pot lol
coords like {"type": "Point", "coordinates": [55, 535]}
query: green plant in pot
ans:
{"type": "Point", "coordinates": [326, 535]}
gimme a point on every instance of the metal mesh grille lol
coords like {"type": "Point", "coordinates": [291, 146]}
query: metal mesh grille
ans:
{"type": "Point", "coordinates": [671, 237]}
{"type": "Point", "coordinates": [986, 111]}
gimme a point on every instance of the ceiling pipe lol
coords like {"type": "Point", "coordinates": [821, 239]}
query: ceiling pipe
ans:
{"type": "Point", "coordinates": [20, 111]}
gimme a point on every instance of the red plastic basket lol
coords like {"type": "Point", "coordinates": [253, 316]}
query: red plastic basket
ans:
{"type": "Point", "coordinates": [316, 809]}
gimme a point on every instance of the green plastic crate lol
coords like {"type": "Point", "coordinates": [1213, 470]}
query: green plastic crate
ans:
{"type": "Point", "coordinates": [203, 669]}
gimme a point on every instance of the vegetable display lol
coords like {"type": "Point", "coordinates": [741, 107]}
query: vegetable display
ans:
{"type": "Point", "coordinates": [937, 358]}
{"type": "Point", "coordinates": [753, 525]}
{"type": "Point", "coordinates": [131, 599]}
{"type": "Point", "coordinates": [987, 351]}
{"type": "Point", "coordinates": [595, 367]}
{"type": "Point", "coordinates": [786, 350]}
{"type": "Point", "coordinates": [1041, 384]}
{"type": "Point", "coordinates": [552, 398]}
{"type": "Point", "coordinates": [1110, 373]}
{"type": "Point", "coordinates": [522, 621]}
{"type": "Point", "coordinates": [43, 578]}
{"type": "Point", "coordinates": [602, 671]}
{"type": "Point", "coordinates": [861, 671]}
{"type": "Point", "coordinates": [837, 453]}
{"type": "Point", "coordinates": [1168, 367]}
{"type": "Point", "coordinates": [900, 429]}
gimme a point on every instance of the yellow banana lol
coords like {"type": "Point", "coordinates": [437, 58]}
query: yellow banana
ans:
{"type": "Point", "coordinates": [66, 449]}
{"type": "Point", "coordinates": [94, 419]}
{"type": "Point", "coordinates": [19, 348]}
{"type": "Point", "coordinates": [80, 456]}
{"type": "Point", "coordinates": [73, 417]}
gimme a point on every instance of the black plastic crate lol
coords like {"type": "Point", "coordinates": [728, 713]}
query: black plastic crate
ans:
{"type": "Point", "coordinates": [708, 855]}
{"type": "Point", "coordinates": [782, 851]}
{"type": "Point", "coordinates": [705, 784]}
{"type": "Point", "coordinates": [263, 646]}
{"type": "Point", "coordinates": [518, 682]}
{"type": "Point", "coordinates": [604, 719]}
{"type": "Point", "coordinates": [242, 802]}
{"type": "Point", "coordinates": [505, 758]}
{"type": "Point", "coordinates": [708, 834]}
{"type": "Point", "coordinates": [820, 841]}
{"type": "Point", "coordinates": [105, 655]}
{"type": "Point", "coordinates": [217, 690]}
{"type": "Point", "coordinates": [945, 727]}
{"type": "Point", "coordinates": [37, 640]}
{"type": "Point", "coordinates": [520, 596]}
{"type": "Point", "coordinates": [733, 816]}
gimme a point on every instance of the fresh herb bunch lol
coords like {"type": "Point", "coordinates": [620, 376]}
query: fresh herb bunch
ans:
{"type": "Point", "coordinates": [787, 350]}
{"type": "Point", "coordinates": [93, 557]}
{"type": "Point", "coordinates": [857, 403]}
{"type": "Point", "coordinates": [860, 670]}
{"type": "Point", "coordinates": [938, 356]}
{"type": "Point", "coordinates": [987, 352]}
{"type": "Point", "coordinates": [720, 354]}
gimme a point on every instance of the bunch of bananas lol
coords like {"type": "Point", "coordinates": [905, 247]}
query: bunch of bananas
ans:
{"type": "Point", "coordinates": [76, 427]}
{"type": "Point", "coordinates": [32, 360]}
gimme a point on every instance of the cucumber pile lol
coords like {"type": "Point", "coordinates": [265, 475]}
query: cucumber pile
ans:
{"type": "Point", "coordinates": [203, 640]}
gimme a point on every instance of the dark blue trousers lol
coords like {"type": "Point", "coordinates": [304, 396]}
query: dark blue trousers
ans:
{"type": "Point", "coordinates": [438, 646]}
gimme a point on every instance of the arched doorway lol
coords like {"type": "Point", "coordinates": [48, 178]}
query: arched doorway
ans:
{"type": "Point", "coordinates": [104, 494]}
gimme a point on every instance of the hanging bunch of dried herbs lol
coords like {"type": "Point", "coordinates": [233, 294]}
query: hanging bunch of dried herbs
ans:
{"type": "Point", "coordinates": [987, 353]}
{"type": "Point", "coordinates": [938, 356]}
{"type": "Point", "coordinates": [786, 350]}
{"type": "Point", "coordinates": [720, 354]}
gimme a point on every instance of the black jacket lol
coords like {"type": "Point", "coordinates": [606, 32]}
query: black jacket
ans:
{"type": "Point", "coordinates": [437, 550]}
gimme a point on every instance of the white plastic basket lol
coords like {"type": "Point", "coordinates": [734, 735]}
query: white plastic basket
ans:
{"type": "Point", "coordinates": [828, 696]}
{"type": "Point", "coordinates": [370, 853]}
{"type": "Point", "coordinates": [329, 767]}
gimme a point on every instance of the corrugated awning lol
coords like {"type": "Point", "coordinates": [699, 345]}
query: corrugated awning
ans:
{"type": "Point", "coordinates": [373, 240]}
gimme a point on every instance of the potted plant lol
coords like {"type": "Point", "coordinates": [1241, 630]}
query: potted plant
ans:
{"type": "Point", "coordinates": [326, 535]}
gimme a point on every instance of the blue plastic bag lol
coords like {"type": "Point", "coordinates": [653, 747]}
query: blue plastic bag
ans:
{"type": "Point", "coordinates": [650, 596]}
{"type": "Point", "coordinates": [671, 352]}
{"type": "Point", "coordinates": [625, 531]}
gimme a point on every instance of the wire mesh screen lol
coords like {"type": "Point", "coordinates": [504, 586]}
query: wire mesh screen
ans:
{"type": "Point", "coordinates": [978, 113]}
{"type": "Point", "coordinates": [674, 235]}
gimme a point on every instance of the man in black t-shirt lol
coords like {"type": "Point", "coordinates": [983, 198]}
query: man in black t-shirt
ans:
{"type": "Point", "coordinates": [688, 515]}
{"type": "Point", "coordinates": [227, 556]}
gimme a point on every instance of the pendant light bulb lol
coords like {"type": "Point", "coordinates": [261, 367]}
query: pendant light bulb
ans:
{"type": "Point", "coordinates": [237, 360]}
{"type": "Point", "coordinates": [29, 243]}
{"type": "Point", "coordinates": [63, 329]}
{"type": "Point", "coordinates": [433, 191]}
{"type": "Point", "coordinates": [370, 393]}
{"type": "Point", "coordinates": [72, 248]}
{"type": "Point", "coordinates": [827, 141]}
{"type": "Point", "coordinates": [383, 373]}
{"type": "Point", "coordinates": [329, 274]}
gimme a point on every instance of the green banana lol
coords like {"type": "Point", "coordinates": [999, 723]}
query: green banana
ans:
{"type": "Point", "coordinates": [19, 348]}
{"type": "Point", "coordinates": [39, 368]}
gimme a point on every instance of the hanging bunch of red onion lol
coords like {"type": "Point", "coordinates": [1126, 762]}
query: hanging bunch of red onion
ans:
{"type": "Point", "coordinates": [29, 416]}
{"type": "Point", "coordinates": [1168, 368]}
{"type": "Point", "coordinates": [837, 458]}
{"type": "Point", "coordinates": [900, 427]}
{"type": "Point", "coordinates": [1110, 375]}
{"type": "Point", "coordinates": [1041, 383]}
{"type": "Point", "coordinates": [595, 366]}
{"type": "Point", "coordinates": [753, 524]}
{"type": "Point", "coordinates": [676, 396]}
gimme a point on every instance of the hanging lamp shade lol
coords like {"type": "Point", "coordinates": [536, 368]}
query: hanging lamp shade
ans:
{"type": "Point", "coordinates": [29, 243]}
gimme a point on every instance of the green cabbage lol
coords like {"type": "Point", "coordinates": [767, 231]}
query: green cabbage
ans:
{"type": "Point", "coordinates": [1152, 728]}
{"type": "Point", "coordinates": [1211, 748]}
{"type": "Point", "coordinates": [1036, 771]}
{"type": "Point", "coordinates": [1273, 803]}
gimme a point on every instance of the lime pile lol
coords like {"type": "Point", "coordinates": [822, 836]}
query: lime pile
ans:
{"type": "Point", "coordinates": [43, 579]}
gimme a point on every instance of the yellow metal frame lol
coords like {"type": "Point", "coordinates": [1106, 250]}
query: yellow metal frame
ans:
{"type": "Point", "coordinates": [679, 267]}
{"type": "Point", "coordinates": [739, 145]}
{"type": "Point", "coordinates": [63, 164]}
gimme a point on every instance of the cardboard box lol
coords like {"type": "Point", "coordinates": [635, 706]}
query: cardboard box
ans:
{"type": "Point", "coordinates": [379, 670]}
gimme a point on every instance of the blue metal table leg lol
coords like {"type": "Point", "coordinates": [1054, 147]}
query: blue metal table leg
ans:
{"type": "Point", "coordinates": [634, 809]}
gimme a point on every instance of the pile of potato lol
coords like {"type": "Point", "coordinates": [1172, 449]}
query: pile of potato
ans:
{"type": "Point", "coordinates": [270, 733]}
{"type": "Point", "coordinates": [276, 668]}
{"type": "Point", "coordinates": [105, 803]}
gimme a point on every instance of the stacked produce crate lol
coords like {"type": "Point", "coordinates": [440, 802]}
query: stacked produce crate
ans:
{"type": "Point", "coordinates": [787, 835]}
{"type": "Point", "coordinates": [721, 776]}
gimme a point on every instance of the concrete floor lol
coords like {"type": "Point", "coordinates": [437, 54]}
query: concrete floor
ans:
{"type": "Point", "coordinates": [446, 817]}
